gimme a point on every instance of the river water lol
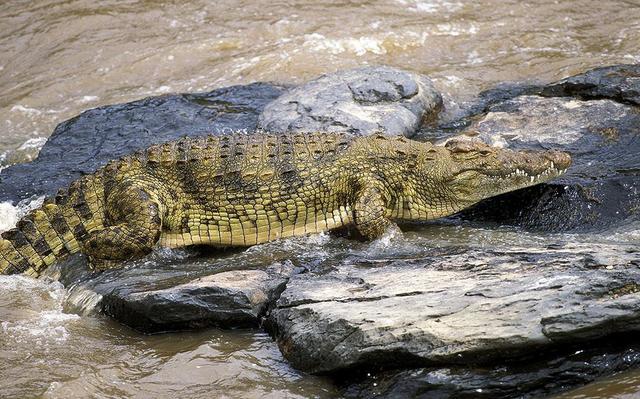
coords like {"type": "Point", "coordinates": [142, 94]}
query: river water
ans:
{"type": "Point", "coordinates": [60, 57]}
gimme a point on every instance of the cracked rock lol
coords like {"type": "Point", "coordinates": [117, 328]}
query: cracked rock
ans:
{"type": "Point", "coordinates": [360, 101]}
{"type": "Point", "coordinates": [474, 306]}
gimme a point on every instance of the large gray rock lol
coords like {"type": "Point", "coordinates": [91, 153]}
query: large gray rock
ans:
{"type": "Point", "coordinates": [176, 293]}
{"type": "Point", "coordinates": [360, 101]}
{"type": "Point", "coordinates": [85, 143]}
{"type": "Point", "coordinates": [467, 306]}
{"type": "Point", "coordinates": [600, 189]}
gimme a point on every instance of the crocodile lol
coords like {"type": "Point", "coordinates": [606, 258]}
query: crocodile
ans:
{"type": "Point", "coordinates": [246, 189]}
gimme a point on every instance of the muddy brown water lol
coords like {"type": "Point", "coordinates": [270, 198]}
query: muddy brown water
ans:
{"type": "Point", "coordinates": [60, 57]}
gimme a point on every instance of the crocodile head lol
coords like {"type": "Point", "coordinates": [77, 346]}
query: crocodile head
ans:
{"type": "Point", "coordinates": [464, 172]}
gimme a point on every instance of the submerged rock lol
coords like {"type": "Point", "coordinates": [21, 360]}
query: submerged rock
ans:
{"type": "Point", "coordinates": [360, 101]}
{"type": "Point", "coordinates": [533, 378]}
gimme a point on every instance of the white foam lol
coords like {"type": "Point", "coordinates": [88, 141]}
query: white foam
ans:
{"type": "Point", "coordinates": [453, 80]}
{"type": "Point", "coordinates": [388, 241]}
{"type": "Point", "coordinates": [633, 57]}
{"type": "Point", "coordinates": [44, 319]}
{"type": "Point", "coordinates": [88, 99]}
{"type": "Point", "coordinates": [25, 110]}
{"type": "Point", "coordinates": [359, 46]}
{"type": "Point", "coordinates": [10, 214]}
{"type": "Point", "coordinates": [48, 325]}
{"type": "Point", "coordinates": [431, 6]}
{"type": "Point", "coordinates": [473, 58]}
{"type": "Point", "coordinates": [33, 143]}
{"type": "Point", "coordinates": [163, 89]}
{"type": "Point", "coordinates": [450, 29]}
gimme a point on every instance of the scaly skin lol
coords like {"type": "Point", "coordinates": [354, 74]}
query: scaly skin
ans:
{"type": "Point", "coordinates": [242, 190]}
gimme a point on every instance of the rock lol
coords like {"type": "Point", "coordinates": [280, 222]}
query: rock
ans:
{"type": "Point", "coordinates": [441, 324]}
{"type": "Point", "coordinates": [185, 289]}
{"type": "Point", "coordinates": [168, 294]}
{"type": "Point", "coordinates": [472, 305]}
{"type": "Point", "coordinates": [84, 143]}
{"type": "Point", "coordinates": [600, 189]}
{"type": "Point", "coordinates": [619, 82]}
{"type": "Point", "coordinates": [361, 101]}
{"type": "Point", "coordinates": [523, 380]}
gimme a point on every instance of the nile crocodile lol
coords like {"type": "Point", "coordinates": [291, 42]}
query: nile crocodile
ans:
{"type": "Point", "coordinates": [241, 190]}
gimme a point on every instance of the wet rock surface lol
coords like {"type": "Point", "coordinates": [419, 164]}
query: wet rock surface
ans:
{"type": "Point", "coordinates": [360, 101]}
{"type": "Point", "coordinates": [160, 295]}
{"type": "Point", "coordinates": [601, 189]}
{"type": "Point", "coordinates": [484, 306]}
{"type": "Point", "coordinates": [619, 82]}
{"type": "Point", "coordinates": [85, 143]}
{"type": "Point", "coordinates": [534, 378]}
{"type": "Point", "coordinates": [473, 305]}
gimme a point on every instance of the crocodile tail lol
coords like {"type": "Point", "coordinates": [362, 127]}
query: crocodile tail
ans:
{"type": "Point", "coordinates": [53, 231]}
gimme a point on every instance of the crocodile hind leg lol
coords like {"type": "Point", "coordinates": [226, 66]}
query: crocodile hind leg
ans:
{"type": "Point", "coordinates": [133, 226]}
{"type": "Point", "coordinates": [370, 214]}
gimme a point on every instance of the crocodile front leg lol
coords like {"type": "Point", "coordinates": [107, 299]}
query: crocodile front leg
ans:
{"type": "Point", "coordinates": [134, 228]}
{"type": "Point", "coordinates": [370, 213]}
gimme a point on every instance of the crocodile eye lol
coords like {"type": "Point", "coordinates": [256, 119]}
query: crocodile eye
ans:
{"type": "Point", "coordinates": [457, 146]}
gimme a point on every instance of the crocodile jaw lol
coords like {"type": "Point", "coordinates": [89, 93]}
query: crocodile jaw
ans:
{"type": "Point", "coordinates": [505, 171]}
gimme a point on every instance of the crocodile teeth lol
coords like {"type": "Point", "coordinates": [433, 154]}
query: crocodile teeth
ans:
{"type": "Point", "coordinates": [532, 179]}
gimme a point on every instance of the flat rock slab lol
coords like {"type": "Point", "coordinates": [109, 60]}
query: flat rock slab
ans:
{"type": "Point", "coordinates": [470, 306]}
{"type": "Point", "coordinates": [359, 101]}
{"type": "Point", "coordinates": [175, 294]}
